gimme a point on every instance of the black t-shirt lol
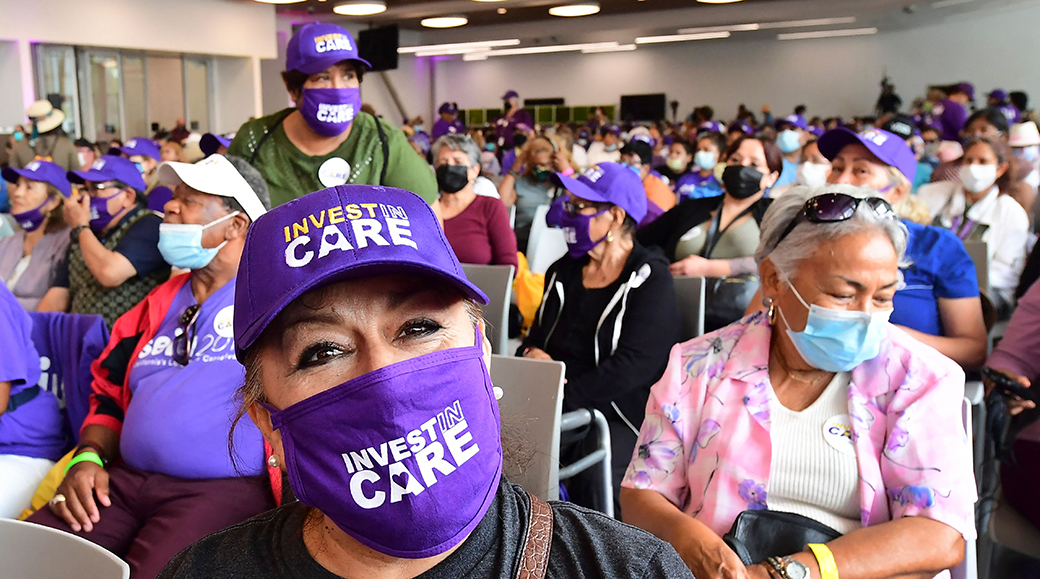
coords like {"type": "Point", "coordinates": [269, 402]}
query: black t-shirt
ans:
{"type": "Point", "coordinates": [140, 246]}
{"type": "Point", "coordinates": [585, 544]}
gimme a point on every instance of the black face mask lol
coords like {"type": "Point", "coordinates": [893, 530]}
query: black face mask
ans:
{"type": "Point", "coordinates": [452, 178]}
{"type": "Point", "coordinates": [519, 140]}
{"type": "Point", "coordinates": [742, 182]}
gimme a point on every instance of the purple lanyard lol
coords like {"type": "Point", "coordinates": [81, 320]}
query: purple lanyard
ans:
{"type": "Point", "coordinates": [962, 232]}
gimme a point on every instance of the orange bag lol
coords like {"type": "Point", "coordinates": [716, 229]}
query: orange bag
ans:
{"type": "Point", "coordinates": [527, 287]}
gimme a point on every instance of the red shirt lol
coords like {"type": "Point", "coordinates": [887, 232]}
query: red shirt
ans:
{"type": "Point", "coordinates": [481, 234]}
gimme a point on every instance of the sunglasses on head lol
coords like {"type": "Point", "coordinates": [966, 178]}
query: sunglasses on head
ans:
{"type": "Point", "coordinates": [184, 343]}
{"type": "Point", "coordinates": [834, 208]}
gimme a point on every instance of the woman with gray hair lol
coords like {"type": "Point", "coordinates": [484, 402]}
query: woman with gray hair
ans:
{"type": "Point", "coordinates": [477, 226]}
{"type": "Point", "coordinates": [816, 414]}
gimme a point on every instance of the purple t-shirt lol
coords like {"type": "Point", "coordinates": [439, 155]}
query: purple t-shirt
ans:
{"type": "Point", "coordinates": [178, 419]}
{"type": "Point", "coordinates": [443, 127]}
{"type": "Point", "coordinates": [952, 117]}
{"type": "Point", "coordinates": [506, 126]}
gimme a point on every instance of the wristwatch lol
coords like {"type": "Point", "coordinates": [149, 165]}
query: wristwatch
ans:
{"type": "Point", "coordinates": [789, 567]}
{"type": "Point", "coordinates": [76, 230]}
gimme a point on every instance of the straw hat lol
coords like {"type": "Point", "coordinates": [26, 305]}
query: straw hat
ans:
{"type": "Point", "coordinates": [1024, 135]}
{"type": "Point", "coordinates": [45, 116]}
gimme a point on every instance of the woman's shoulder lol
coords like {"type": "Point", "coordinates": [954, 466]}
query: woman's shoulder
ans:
{"type": "Point", "coordinates": [915, 358]}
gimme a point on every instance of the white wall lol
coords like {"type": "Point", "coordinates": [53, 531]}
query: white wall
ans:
{"type": "Point", "coordinates": [235, 97]}
{"type": "Point", "coordinates": [830, 76]}
{"type": "Point", "coordinates": [11, 107]}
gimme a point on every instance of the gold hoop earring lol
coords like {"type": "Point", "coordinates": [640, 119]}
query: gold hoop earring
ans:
{"type": "Point", "coordinates": [610, 237]}
{"type": "Point", "coordinates": [771, 312]}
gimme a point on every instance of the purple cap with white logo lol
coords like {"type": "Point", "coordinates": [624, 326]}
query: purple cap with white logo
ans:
{"type": "Point", "coordinates": [797, 121]}
{"type": "Point", "coordinates": [609, 183]}
{"type": "Point", "coordinates": [889, 148]}
{"type": "Point", "coordinates": [111, 168]}
{"type": "Point", "coordinates": [512, 94]}
{"type": "Point", "coordinates": [711, 126]}
{"type": "Point", "coordinates": [141, 146]}
{"type": "Point", "coordinates": [336, 234]}
{"type": "Point", "coordinates": [317, 46]}
{"type": "Point", "coordinates": [449, 108]}
{"type": "Point", "coordinates": [966, 88]}
{"type": "Point", "coordinates": [740, 126]}
{"type": "Point", "coordinates": [998, 94]}
{"type": "Point", "coordinates": [44, 171]}
{"type": "Point", "coordinates": [211, 143]}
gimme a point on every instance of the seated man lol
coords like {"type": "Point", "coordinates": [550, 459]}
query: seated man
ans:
{"type": "Point", "coordinates": [638, 155]}
{"type": "Point", "coordinates": [113, 259]}
{"type": "Point", "coordinates": [153, 472]}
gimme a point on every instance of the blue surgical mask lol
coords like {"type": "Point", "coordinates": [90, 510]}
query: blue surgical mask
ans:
{"type": "Point", "coordinates": [788, 141]}
{"type": "Point", "coordinates": [140, 168]}
{"type": "Point", "coordinates": [632, 168]}
{"type": "Point", "coordinates": [706, 160]}
{"type": "Point", "coordinates": [836, 340]}
{"type": "Point", "coordinates": [181, 244]}
{"type": "Point", "coordinates": [610, 148]}
{"type": "Point", "coordinates": [18, 135]}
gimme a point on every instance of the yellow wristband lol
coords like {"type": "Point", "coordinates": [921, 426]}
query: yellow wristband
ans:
{"type": "Point", "coordinates": [88, 456]}
{"type": "Point", "coordinates": [828, 570]}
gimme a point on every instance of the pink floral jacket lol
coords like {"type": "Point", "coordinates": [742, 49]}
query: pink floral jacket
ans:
{"type": "Point", "coordinates": [705, 442]}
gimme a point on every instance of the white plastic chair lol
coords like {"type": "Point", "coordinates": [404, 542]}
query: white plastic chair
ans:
{"type": "Point", "coordinates": [531, 406]}
{"type": "Point", "coordinates": [538, 226]}
{"type": "Point", "coordinates": [497, 282]}
{"type": "Point", "coordinates": [969, 567]}
{"type": "Point", "coordinates": [551, 247]}
{"type": "Point", "coordinates": [33, 551]}
{"type": "Point", "coordinates": [689, 296]}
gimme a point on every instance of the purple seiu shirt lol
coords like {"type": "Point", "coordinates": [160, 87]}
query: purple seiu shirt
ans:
{"type": "Point", "coordinates": [506, 126]}
{"type": "Point", "coordinates": [443, 127]}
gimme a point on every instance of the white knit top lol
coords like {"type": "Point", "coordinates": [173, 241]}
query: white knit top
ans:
{"type": "Point", "coordinates": [813, 471]}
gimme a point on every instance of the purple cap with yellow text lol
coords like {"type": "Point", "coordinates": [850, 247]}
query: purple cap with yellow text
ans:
{"type": "Point", "coordinates": [341, 233]}
{"type": "Point", "coordinates": [319, 45]}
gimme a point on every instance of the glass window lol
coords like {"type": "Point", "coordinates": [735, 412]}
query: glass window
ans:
{"type": "Point", "coordinates": [196, 90]}
{"type": "Point", "coordinates": [56, 75]}
{"type": "Point", "coordinates": [135, 103]}
{"type": "Point", "coordinates": [103, 72]}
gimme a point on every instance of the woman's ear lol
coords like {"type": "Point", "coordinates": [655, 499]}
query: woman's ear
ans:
{"type": "Point", "coordinates": [770, 179]}
{"type": "Point", "coordinates": [262, 419]}
{"type": "Point", "coordinates": [618, 214]}
{"type": "Point", "coordinates": [1002, 168]}
{"type": "Point", "coordinates": [473, 172]}
{"type": "Point", "coordinates": [770, 279]}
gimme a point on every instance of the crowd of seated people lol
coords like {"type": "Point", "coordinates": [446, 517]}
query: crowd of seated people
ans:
{"type": "Point", "coordinates": [291, 328]}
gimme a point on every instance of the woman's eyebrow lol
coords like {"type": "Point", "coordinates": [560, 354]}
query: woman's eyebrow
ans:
{"type": "Point", "coordinates": [307, 316]}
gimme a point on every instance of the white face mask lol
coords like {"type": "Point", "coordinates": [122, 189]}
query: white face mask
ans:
{"type": "Point", "coordinates": [978, 178]}
{"type": "Point", "coordinates": [82, 159]}
{"type": "Point", "coordinates": [812, 174]}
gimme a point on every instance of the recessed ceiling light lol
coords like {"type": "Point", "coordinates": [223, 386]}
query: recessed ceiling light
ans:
{"type": "Point", "coordinates": [280, 1]}
{"type": "Point", "coordinates": [682, 37]}
{"type": "Point", "coordinates": [572, 10]}
{"type": "Point", "coordinates": [828, 34]}
{"type": "Point", "coordinates": [501, 10]}
{"type": "Point", "coordinates": [489, 1]}
{"type": "Point", "coordinates": [444, 21]}
{"type": "Point", "coordinates": [360, 8]}
{"type": "Point", "coordinates": [465, 46]}
{"type": "Point", "coordinates": [719, 1]}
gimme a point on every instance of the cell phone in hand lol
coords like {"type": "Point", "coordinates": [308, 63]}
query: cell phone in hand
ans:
{"type": "Point", "coordinates": [1009, 386]}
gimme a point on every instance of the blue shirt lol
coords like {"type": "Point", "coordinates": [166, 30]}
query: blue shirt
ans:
{"type": "Point", "coordinates": [940, 268]}
{"type": "Point", "coordinates": [923, 177]}
{"type": "Point", "coordinates": [693, 185]}
{"type": "Point", "coordinates": [179, 417]}
{"type": "Point", "coordinates": [788, 174]}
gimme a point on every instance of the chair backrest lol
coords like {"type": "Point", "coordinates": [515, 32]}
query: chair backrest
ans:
{"type": "Point", "coordinates": [538, 226]}
{"type": "Point", "coordinates": [497, 282]}
{"type": "Point", "coordinates": [552, 245]}
{"type": "Point", "coordinates": [969, 567]}
{"type": "Point", "coordinates": [512, 216]}
{"type": "Point", "coordinates": [689, 296]}
{"type": "Point", "coordinates": [980, 255]}
{"type": "Point", "coordinates": [531, 406]}
{"type": "Point", "coordinates": [31, 550]}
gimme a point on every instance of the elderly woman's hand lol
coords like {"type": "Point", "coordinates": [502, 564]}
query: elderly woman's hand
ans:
{"type": "Point", "coordinates": [709, 557]}
{"type": "Point", "coordinates": [697, 266]}
{"type": "Point", "coordinates": [537, 354]}
{"type": "Point", "coordinates": [1015, 404]}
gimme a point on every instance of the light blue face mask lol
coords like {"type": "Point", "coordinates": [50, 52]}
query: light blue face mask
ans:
{"type": "Point", "coordinates": [706, 160]}
{"type": "Point", "coordinates": [181, 244]}
{"type": "Point", "coordinates": [836, 340]}
{"type": "Point", "coordinates": [788, 141]}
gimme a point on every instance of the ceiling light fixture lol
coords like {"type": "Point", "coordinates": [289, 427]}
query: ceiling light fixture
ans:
{"type": "Point", "coordinates": [719, 1]}
{"type": "Point", "coordinates": [489, 1]}
{"type": "Point", "coordinates": [280, 1]}
{"type": "Point", "coordinates": [948, 3]}
{"type": "Point", "coordinates": [827, 34]}
{"type": "Point", "coordinates": [360, 8]}
{"type": "Point", "coordinates": [480, 45]}
{"type": "Point", "coordinates": [574, 10]}
{"type": "Point", "coordinates": [681, 37]}
{"type": "Point", "coordinates": [619, 48]}
{"type": "Point", "coordinates": [444, 21]}
{"type": "Point", "coordinates": [725, 28]}
{"type": "Point", "coordinates": [501, 10]}
{"type": "Point", "coordinates": [808, 23]}
{"type": "Point", "coordinates": [591, 46]}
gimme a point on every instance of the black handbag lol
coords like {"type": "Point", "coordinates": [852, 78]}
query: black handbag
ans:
{"type": "Point", "coordinates": [725, 298]}
{"type": "Point", "coordinates": [758, 535]}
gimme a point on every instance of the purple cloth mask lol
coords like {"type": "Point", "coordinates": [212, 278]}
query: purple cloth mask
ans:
{"type": "Point", "coordinates": [32, 219]}
{"type": "Point", "coordinates": [99, 214]}
{"type": "Point", "coordinates": [406, 459]}
{"type": "Point", "coordinates": [576, 232]}
{"type": "Point", "coordinates": [329, 111]}
{"type": "Point", "coordinates": [554, 217]}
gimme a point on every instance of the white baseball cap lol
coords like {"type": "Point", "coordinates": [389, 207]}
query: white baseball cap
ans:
{"type": "Point", "coordinates": [214, 175]}
{"type": "Point", "coordinates": [1024, 135]}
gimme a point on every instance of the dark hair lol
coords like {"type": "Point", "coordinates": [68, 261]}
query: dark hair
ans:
{"type": "Point", "coordinates": [690, 148]}
{"type": "Point", "coordinates": [991, 115]}
{"type": "Point", "coordinates": [707, 112]}
{"type": "Point", "coordinates": [799, 110]}
{"type": "Point", "coordinates": [294, 79]}
{"type": "Point", "coordinates": [717, 138]}
{"type": "Point", "coordinates": [1003, 153]}
{"type": "Point", "coordinates": [774, 158]}
{"type": "Point", "coordinates": [1019, 99]}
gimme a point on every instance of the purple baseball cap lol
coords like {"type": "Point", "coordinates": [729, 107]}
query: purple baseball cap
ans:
{"type": "Point", "coordinates": [609, 183]}
{"type": "Point", "coordinates": [740, 126]}
{"type": "Point", "coordinates": [711, 126]}
{"type": "Point", "coordinates": [967, 88]}
{"type": "Point", "coordinates": [511, 94]}
{"type": "Point", "coordinates": [210, 143]}
{"type": "Point", "coordinates": [795, 120]}
{"type": "Point", "coordinates": [111, 168]}
{"type": "Point", "coordinates": [889, 148]}
{"type": "Point", "coordinates": [616, 130]}
{"type": "Point", "coordinates": [344, 232]}
{"type": "Point", "coordinates": [449, 108]}
{"type": "Point", "coordinates": [318, 45]}
{"type": "Point", "coordinates": [141, 146]}
{"type": "Point", "coordinates": [816, 131]}
{"type": "Point", "coordinates": [998, 94]}
{"type": "Point", "coordinates": [43, 171]}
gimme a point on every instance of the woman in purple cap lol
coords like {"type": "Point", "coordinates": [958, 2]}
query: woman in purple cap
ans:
{"type": "Point", "coordinates": [367, 372]}
{"type": "Point", "coordinates": [609, 312]}
{"type": "Point", "coordinates": [512, 116]}
{"type": "Point", "coordinates": [30, 259]}
{"type": "Point", "coordinates": [449, 123]}
{"type": "Point", "coordinates": [325, 139]}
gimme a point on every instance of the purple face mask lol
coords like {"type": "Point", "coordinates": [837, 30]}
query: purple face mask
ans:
{"type": "Point", "coordinates": [329, 111]}
{"type": "Point", "coordinates": [554, 217]}
{"type": "Point", "coordinates": [99, 215]}
{"type": "Point", "coordinates": [406, 459]}
{"type": "Point", "coordinates": [32, 219]}
{"type": "Point", "coordinates": [576, 233]}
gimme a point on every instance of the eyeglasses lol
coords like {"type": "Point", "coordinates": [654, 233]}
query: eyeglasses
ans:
{"type": "Point", "coordinates": [99, 187]}
{"type": "Point", "coordinates": [575, 208]}
{"type": "Point", "coordinates": [834, 208]}
{"type": "Point", "coordinates": [185, 341]}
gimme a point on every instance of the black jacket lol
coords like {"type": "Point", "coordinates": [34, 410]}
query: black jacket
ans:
{"type": "Point", "coordinates": [633, 335]}
{"type": "Point", "coordinates": [666, 230]}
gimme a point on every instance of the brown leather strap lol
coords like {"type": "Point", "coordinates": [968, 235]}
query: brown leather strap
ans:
{"type": "Point", "coordinates": [535, 557]}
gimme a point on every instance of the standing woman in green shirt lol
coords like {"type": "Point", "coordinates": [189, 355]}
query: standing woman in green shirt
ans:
{"type": "Point", "coordinates": [326, 140]}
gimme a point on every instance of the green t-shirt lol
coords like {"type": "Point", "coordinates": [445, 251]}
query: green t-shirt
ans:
{"type": "Point", "coordinates": [290, 173]}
